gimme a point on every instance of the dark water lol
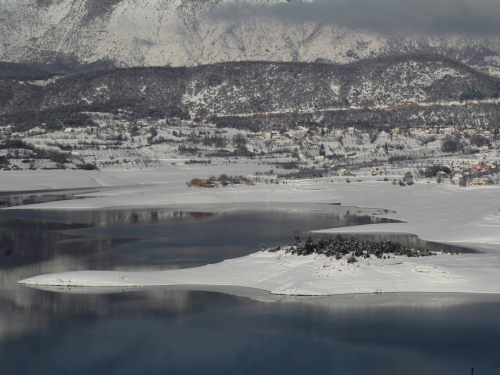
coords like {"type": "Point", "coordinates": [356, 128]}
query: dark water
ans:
{"type": "Point", "coordinates": [168, 331]}
{"type": "Point", "coordinates": [22, 198]}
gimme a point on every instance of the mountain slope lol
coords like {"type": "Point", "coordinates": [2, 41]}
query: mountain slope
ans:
{"type": "Point", "coordinates": [128, 33]}
{"type": "Point", "coordinates": [248, 89]}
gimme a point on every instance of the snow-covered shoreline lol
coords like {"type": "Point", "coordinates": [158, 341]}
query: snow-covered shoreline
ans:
{"type": "Point", "coordinates": [438, 213]}
{"type": "Point", "coordinates": [313, 275]}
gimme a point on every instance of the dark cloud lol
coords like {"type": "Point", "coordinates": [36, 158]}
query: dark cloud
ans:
{"type": "Point", "coordinates": [480, 17]}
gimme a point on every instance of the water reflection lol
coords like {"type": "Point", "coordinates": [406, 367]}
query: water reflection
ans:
{"type": "Point", "coordinates": [40, 242]}
{"type": "Point", "coordinates": [211, 333]}
{"type": "Point", "coordinates": [8, 199]}
{"type": "Point", "coordinates": [179, 331]}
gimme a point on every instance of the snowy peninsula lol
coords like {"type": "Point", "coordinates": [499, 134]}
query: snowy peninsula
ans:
{"type": "Point", "coordinates": [434, 212]}
{"type": "Point", "coordinates": [286, 274]}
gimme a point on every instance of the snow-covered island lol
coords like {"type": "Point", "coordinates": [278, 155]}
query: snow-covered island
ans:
{"type": "Point", "coordinates": [321, 272]}
{"type": "Point", "coordinates": [288, 274]}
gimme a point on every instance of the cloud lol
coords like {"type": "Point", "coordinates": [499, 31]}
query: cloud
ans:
{"type": "Point", "coordinates": [480, 17]}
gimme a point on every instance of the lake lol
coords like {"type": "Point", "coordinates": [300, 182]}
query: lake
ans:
{"type": "Point", "coordinates": [179, 331]}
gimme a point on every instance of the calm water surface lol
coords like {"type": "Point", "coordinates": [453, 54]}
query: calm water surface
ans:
{"type": "Point", "coordinates": [169, 331]}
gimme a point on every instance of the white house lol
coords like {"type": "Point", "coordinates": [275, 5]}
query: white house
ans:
{"type": "Point", "coordinates": [457, 179]}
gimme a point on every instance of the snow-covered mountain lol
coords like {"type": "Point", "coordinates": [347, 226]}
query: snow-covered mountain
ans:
{"type": "Point", "coordinates": [129, 33]}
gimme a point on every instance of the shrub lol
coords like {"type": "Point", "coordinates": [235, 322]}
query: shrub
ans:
{"type": "Point", "coordinates": [87, 167]}
{"type": "Point", "coordinates": [338, 246]}
{"type": "Point", "coordinates": [450, 145]}
{"type": "Point", "coordinates": [197, 182]}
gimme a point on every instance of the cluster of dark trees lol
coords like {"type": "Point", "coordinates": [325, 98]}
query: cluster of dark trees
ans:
{"type": "Point", "coordinates": [311, 172]}
{"type": "Point", "coordinates": [288, 165]}
{"type": "Point", "coordinates": [371, 120]}
{"type": "Point", "coordinates": [431, 171]}
{"type": "Point", "coordinates": [214, 141]}
{"type": "Point", "coordinates": [36, 153]}
{"type": "Point", "coordinates": [455, 144]}
{"type": "Point", "coordinates": [23, 72]}
{"type": "Point", "coordinates": [202, 162]}
{"type": "Point", "coordinates": [339, 246]}
{"type": "Point", "coordinates": [270, 90]}
{"type": "Point", "coordinates": [87, 167]}
{"type": "Point", "coordinates": [222, 180]}
{"type": "Point", "coordinates": [222, 153]}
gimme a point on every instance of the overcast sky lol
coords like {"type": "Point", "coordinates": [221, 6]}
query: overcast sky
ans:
{"type": "Point", "coordinates": [480, 17]}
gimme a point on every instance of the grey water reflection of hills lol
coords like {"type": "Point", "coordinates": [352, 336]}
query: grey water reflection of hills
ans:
{"type": "Point", "coordinates": [179, 331]}
{"type": "Point", "coordinates": [175, 331]}
{"type": "Point", "coordinates": [27, 237]}
{"type": "Point", "coordinates": [41, 242]}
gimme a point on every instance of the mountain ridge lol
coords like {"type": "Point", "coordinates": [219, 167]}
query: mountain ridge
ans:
{"type": "Point", "coordinates": [247, 89]}
{"type": "Point", "coordinates": [124, 33]}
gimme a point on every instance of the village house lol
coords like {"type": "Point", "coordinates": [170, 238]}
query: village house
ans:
{"type": "Point", "coordinates": [395, 131]}
{"type": "Point", "coordinates": [479, 181]}
{"type": "Point", "coordinates": [351, 130]}
{"type": "Point", "coordinates": [441, 176]}
{"type": "Point", "coordinates": [458, 179]}
{"type": "Point", "coordinates": [476, 135]}
{"type": "Point", "coordinates": [408, 177]}
{"type": "Point", "coordinates": [344, 172]}
{"type": "Point", "coordinates": [477, 166]}
{"type": "Point", "coordinates": [448, 131]}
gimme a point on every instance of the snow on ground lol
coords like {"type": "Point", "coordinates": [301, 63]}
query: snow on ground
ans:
{"type": "Point", "coordinates": [286, 274]}
{"type": "Point", "coordinates": [442, 213]}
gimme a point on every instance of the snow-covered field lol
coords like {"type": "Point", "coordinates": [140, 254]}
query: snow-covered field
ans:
{"type": "Point", "coordinates": [140, 174]}
{"type": "Point", "coordinates": [434, 212]}
{"type": "Point", "coordinates": [442, 213]}
{"type": "Point", "coordinates": [281, 273]}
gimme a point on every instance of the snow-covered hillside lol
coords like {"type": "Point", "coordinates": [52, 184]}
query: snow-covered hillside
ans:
{"type": "Point", "coordinates": [183, 33]}
{"type": "Point", "coordinates": [411, 90]}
